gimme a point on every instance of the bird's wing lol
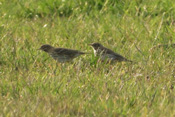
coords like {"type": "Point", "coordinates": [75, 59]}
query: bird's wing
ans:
{"type": "Point", "coordinates": [68, 52]}
{"type": "Point", "coordinates": [117, 56]}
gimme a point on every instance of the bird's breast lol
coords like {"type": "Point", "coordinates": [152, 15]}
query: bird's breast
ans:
{"type": "Point", "coordinates": [95, 52]}
{"type": "Point", "coordinates": [60, 58]}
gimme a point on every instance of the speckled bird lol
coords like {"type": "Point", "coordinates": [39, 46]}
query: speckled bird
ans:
{"type": "Point", "coordinates": [62, 55]}
{"type": "Point", "coordinates": [107, 54]}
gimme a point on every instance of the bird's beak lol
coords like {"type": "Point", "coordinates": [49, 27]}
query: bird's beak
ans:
{"type": "Point", "coordinates": [90, 44]}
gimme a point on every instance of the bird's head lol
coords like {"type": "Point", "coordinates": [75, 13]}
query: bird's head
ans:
{"type": "Point", "coordinates": [46, 48]}
{"type": "Point", "coordinates": [96, 45]}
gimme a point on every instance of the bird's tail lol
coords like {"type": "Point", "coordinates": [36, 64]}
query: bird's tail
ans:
{"type": "Point", "coordinates": [85, 53]}
{"type": "Point", "coordinates": [130, 61]}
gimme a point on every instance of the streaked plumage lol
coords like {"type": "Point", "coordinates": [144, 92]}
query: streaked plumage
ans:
{"type": "Point", "coordinates": [61, 54]}
{"type": "Point", "coordinates": [107, 54]}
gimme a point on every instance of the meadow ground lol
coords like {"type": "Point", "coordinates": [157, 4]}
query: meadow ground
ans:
{"type": "Point", "coordinates": [33, 84]}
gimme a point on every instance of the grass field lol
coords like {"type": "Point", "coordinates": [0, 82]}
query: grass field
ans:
{"type": "Point", "coordinates": [34, 84]}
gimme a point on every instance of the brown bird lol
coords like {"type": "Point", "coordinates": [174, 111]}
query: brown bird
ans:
{"type": "Point", "coordinates": [107, 54]}
{"type": "Point", "coordinates": [61, 54]}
